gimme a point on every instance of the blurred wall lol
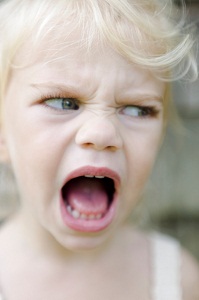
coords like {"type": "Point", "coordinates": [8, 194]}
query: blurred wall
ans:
{"type": "Point", "coordinates": [172, 196]}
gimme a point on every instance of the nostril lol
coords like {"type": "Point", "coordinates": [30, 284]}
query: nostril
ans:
{"type": "Point", "coordinates": [92, 145]}
{"type": "Point", "coordinates": [112, 148]}
{"type": "Point", "coordinates": [87, 145]}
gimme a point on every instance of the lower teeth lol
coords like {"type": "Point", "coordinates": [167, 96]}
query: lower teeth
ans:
{"type": "Point", "coordinates": [77, 215]}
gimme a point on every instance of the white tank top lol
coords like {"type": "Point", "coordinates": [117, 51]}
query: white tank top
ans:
{"type": "Point", "coordinates": [166, 268]}
{"type": "Point", "coordinates": [166, 262]}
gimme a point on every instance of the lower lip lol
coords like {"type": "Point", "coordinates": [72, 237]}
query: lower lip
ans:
{"type": "Point", "coordinates": [88, 225]}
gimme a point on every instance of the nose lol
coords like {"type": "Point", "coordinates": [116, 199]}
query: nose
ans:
{"type": "Point", "coordinates": [99, 134]}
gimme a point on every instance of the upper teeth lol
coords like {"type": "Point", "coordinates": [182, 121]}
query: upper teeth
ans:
{"type": "Point", "coordinates": [92, 176]}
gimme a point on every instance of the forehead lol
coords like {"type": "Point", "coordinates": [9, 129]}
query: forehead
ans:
{"type": "Point", "coordinates": [102, 69]}
{"type": "Point", "coordinates": [67, 52]}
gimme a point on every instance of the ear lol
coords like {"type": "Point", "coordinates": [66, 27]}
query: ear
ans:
{"type": "Point", "coordinates": [4, 156]}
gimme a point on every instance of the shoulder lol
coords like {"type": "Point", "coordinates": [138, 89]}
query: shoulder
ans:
{"type": "Point", "coordinates": [190, 276]}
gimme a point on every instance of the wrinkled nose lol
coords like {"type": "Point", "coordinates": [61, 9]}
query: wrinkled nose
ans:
{"type": "Point", "coordinates": [99, 134]}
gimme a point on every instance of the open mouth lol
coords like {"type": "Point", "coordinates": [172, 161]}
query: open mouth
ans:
{"type": "Point", "coordinates": [88, 202]}
{"type": "Point", "coordinates": [88, 197]}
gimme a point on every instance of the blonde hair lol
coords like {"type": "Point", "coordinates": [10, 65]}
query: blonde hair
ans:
{"type": "Point", "coordinates": [143, 31]}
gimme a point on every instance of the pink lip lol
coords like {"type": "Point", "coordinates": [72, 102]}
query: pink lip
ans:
{"type": "Point", "coordinates": [91, 225]}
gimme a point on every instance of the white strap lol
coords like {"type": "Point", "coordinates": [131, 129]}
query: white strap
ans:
{"type": "Point", "coordinates": [1, 297]}
{"type": "Point", "coordinates": [166, 267]}
{"type": "Point", "coordinates": [1, 294]}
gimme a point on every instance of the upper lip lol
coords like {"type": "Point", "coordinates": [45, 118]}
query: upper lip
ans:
{"type": "Point", "coordinates": [95, 171]}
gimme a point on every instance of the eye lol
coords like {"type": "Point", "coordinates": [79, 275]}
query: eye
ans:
{"type": "Point", "coordinates": [62, 103]}
{"type": "Point", "coordinates": [139, 111]}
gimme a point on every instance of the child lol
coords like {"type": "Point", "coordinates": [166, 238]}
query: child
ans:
{"type": "Point", "coordinates": [84, 97]}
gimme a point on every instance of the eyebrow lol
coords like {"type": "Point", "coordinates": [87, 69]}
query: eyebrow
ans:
{"type": "Point", "coordinates": [58, 86]}
{"type": "Point", "coordinates": [150, 97]}
{"type": "Point", "coordinates": [139, 98]}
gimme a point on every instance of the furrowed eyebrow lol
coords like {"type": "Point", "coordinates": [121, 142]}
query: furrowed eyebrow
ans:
{"type": "Point", "coordinates": [150, 98]}
{"type": "Point", "coordinates": [139, 99]}
{"type": "Point", "coordinates": [69, 89]}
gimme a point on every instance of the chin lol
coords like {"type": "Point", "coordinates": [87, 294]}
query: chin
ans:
{"type": "Point", "coordinates": [85, 243]}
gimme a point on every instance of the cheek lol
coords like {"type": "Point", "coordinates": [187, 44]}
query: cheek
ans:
{"type": "Point", "coordinates": [141, 154]}
{"type": "Point", "coordinates": [140, 157]}
{"type": "Point", "coordinates": [35, 154]}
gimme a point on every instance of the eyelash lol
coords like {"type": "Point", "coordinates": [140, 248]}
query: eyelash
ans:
{"type": "Point", "coordinates": [143, 111]}
{"type": "Point", "coordinates": [59, 98]}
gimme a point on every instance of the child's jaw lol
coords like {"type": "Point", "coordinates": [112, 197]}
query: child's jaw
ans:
{"type": "Point", "coordinates": [88, 199]}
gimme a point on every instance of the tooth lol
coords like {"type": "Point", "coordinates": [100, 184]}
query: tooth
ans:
{"type": "Point", "coordinates": [75, 214]}
{"type": "Point", "coordinates": [69, 209]}
{"type": "Point", "coordinates": [89, 176]}
{"type": "Point", "coordinates": [99, 176]}
{"type": "Point", "coordinates": [83, 216]}
{"type": "Point", "coordinates": [91, 217]}
{"type": "Point", "coordinates": [98, 216]}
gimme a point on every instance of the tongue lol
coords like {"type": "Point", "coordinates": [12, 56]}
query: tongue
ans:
{"type": "Point", "coordinates": [87, 195]}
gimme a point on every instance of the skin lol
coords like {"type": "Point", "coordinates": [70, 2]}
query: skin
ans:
{"type": "Point", "coordinates": [44, 144]}
{"type": "Point", "coordinates": [106, 131]}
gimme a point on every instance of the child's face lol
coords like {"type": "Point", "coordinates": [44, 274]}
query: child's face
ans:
{"type": "Point", "coordinates": [78, 116]}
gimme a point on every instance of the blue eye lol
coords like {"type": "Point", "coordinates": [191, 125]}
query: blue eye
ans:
{"type": "Point", "coordinates": [62, 103]}
{"type": "Point", "coordinates": [139, 111]}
